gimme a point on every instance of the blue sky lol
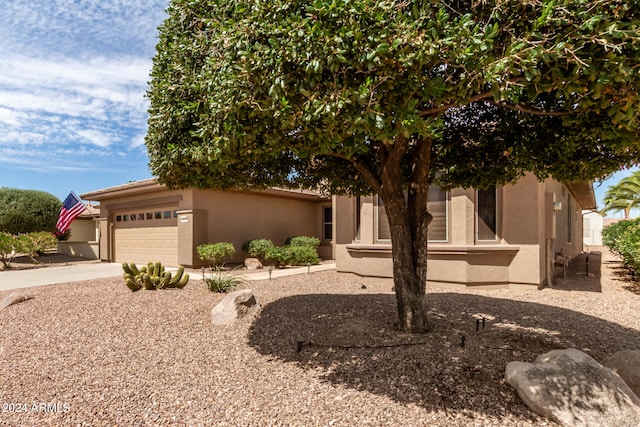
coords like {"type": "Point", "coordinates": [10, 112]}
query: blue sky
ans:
{"type": "Point", "coordinates": [73, 74]}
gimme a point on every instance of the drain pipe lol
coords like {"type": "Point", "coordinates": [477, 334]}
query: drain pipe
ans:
{"type": "Point", "coordinates": [549, 262]}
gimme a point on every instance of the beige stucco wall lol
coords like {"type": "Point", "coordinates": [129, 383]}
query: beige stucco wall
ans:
{"type": "Point", "coordinates": [238, 217]}
{"type": "Point", "coordinates": [83, 230]}
{"type": "Point", "coordinates": [517, 257]}
{"type": "Point", "coordinates": [83, 239]}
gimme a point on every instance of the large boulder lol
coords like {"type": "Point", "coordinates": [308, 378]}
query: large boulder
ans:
{"type": "Point", "coordinates": [571, 388]}
{"type": "Point", "coordinates": [233, 307]}
{"type": "Point", "coordinates": [626, 364]}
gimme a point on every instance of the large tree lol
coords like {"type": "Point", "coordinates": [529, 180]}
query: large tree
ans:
{"type": "Point", "coordinates": [365, 96]}
{"type": "Point", "coordinates": [27, 211]}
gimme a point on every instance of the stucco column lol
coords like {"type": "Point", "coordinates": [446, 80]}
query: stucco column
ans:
{"type": "Point", "coordinates": [104, 239]}
{"type": "Point", "coordinates": [192, 232]}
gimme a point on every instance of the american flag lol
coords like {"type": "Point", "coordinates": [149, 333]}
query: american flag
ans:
{"type": "Point", "coordinates": [71, 209]}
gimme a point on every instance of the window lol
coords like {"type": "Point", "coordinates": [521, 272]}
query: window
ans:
{"type": "Point", "coordinates": [118, 218]}
{"type": "Point", "coordinates": [438, 208]}
{"type": "Point", "coordinates": [158, 215]}
{"type": "Point", "coordinates": [487, 214]}
{"type": "Point", "coordinates": [167, 214]}
{"type": "Point", "coordinates": [149, 215]}
{"type": "Point", "coordinates": [327, 223]}
{"type": "Point", "coordinates": [383, 222]}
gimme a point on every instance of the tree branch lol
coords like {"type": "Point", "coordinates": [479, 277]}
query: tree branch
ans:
{"type": "Point", "coordinates": [369, 175]}
{"type": "Point", "coordinates": [527, 109]}
{"type": "Point", "coordinates": [438, 110]}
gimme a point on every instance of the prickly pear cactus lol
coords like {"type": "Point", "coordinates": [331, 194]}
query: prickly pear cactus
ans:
{"type": "Point", "coordinates": [152, 276]}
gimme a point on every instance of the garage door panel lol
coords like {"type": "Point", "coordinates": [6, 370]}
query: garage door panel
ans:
{"type": "Point", "coordinates": [145, 244]}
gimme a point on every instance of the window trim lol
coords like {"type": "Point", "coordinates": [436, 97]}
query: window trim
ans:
{"type": "Point", "coordinates": [497, 214]}
{"type": "Point", "coordinates": [325, 223]}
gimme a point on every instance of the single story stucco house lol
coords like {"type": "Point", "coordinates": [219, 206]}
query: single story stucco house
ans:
{"type": "Point", "coordinates": [145, 221]}
{"type": "Point", "coordinates": [512, 235]}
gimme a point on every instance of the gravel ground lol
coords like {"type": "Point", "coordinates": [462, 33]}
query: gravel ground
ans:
{"type": "Point", "coordinates": [94, 353]}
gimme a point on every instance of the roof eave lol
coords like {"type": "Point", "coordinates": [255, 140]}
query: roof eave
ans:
{"type": "Point", "coordinates": [583, 192]}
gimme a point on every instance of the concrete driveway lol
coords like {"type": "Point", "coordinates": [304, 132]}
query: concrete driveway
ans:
{"type": "Point", "coordinates": [17, 279]}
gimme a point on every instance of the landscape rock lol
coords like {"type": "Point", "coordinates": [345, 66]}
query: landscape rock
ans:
{"type": "Point", "coordinates": [626, 364]}
{"type": "Point", "coordinates": [571, 388]}
{"type": "Point", "coordinates": [252, 263]}
{"type": "Point", "coordinates": [234, 307]}
{"type": "Point", "coordinates": [14, 298]}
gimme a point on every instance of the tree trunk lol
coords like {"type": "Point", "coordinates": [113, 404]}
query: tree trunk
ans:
{"type": "Point", "coordinates": [409, 221]}
{"type": "Point", "coordinates": [409, 251]}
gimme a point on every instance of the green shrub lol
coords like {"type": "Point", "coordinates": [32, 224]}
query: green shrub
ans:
{"type": "Point", "coordinates": [10, 245]}
{"type": "Point", "coordinates": [312, 242]}
{"type": "Point", "coordinates": [303, 255]}
{"type": "Point", "coordinates": [27, 211]}
{"type": "Point", "coordinates": [298, 250]}
{"type": "Point", "coordinates": [215, 253]}
{"type": "Point", "coordinates": [222, 282]}
{"type": "Point", "coordinates": [31, 244]}
{"type": "Point", "coordinates": [34, 244]}
{"type": "Point", "coordinates": [258, 248]}
{"type": "Point", "coordinates": [279, 256]}
{"type": "Point", "coordinates": [623, 239]}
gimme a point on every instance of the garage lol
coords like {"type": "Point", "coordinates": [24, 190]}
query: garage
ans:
{"type": "Point", "coordinates": [146, 235]}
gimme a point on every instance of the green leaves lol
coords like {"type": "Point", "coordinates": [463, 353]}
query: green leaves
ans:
{"type": "Point", "coordinates": [254, 94]}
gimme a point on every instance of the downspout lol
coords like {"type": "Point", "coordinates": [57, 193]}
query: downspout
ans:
{"type": "Point", "coordinates": [548, 261]}
{"type": "Point", "coordinates": [551, 207]}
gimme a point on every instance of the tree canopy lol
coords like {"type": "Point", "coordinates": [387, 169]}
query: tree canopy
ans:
{"type": "Point", "coordinates": [27, 211]}
{"type": "Point", "coordinates": [243, 92]}
{"type": "Point", "coordinates": [362, 96]}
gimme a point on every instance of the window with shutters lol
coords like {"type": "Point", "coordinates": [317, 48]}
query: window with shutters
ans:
{"type": "Point", "coordinates": [438, 207]}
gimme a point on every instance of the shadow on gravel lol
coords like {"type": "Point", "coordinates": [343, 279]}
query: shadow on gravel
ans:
{"type": "Point", "coordinates": [584, 273]}
{"type": "Point", "coordinates": [352, 340]}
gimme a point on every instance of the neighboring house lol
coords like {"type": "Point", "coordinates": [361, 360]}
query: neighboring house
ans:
{"type": "Point", "coordinates": [84, 235]}
{"type": "Point", "coordinates": [593, 225]}
{"type": "Point", "coordinates": [509, 236]}
{"type": "Point", "coordinates": [145, 221]}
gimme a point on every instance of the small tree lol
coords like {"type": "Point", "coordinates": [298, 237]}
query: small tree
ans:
{"type": "Point", "coordinates": [35, 244]}
{"type": "Point", "coordinates": [216, 253]}
{"type": "Point", "coordinates": [27, 211]}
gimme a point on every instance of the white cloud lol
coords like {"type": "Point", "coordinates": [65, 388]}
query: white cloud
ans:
{"type": "Point", "coordinates": [9, 117]}
{"type": "Point", "coordinates": [95, 137]}
{"type": "Point", "coordinates": [72, 79]}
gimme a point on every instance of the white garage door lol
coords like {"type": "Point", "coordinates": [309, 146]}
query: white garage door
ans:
{"type": "Point", "coordinates": [143, 236]}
